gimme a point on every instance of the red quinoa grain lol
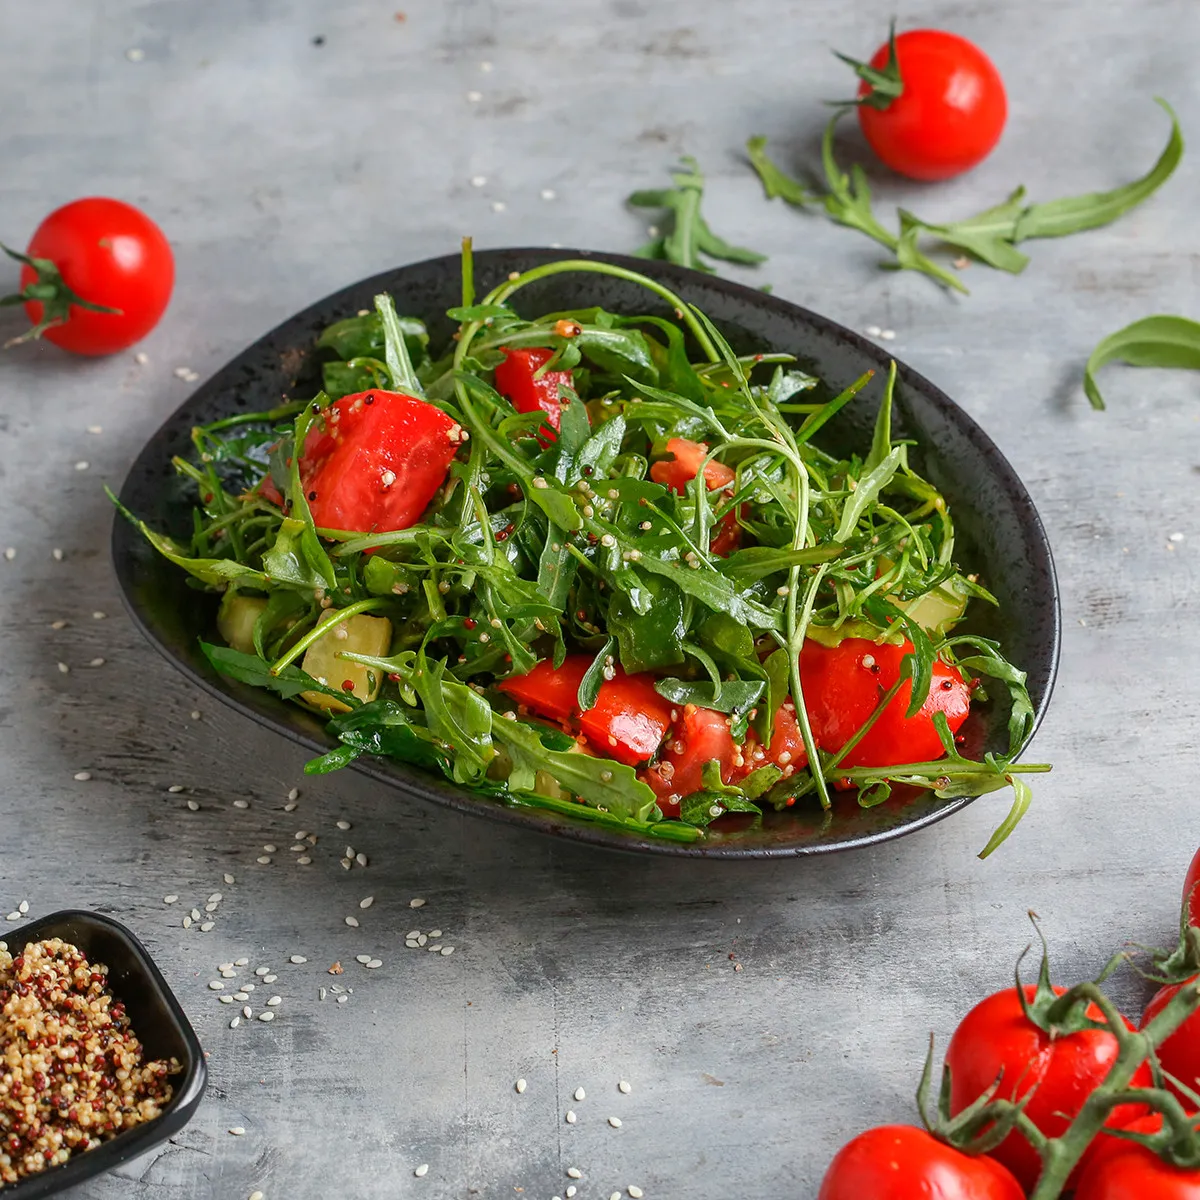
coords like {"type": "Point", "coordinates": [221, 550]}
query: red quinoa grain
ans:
{"type": "Point", "coordinates": [72, 1071]}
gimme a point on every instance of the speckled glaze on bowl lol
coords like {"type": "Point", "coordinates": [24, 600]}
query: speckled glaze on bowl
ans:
{"type": "Point", "coordinates": [999, 533]}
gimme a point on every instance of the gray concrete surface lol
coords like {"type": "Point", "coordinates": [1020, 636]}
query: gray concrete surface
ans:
{"type": "Point", "coordinates": [282, 169]}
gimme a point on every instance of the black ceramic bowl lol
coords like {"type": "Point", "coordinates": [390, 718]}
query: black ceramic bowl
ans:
{"type": "Point", "coordinates": [155, 1017]}
{"type": "Point", "coordinates": [999, 532]}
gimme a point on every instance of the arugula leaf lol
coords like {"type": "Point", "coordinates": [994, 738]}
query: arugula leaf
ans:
{"type": "Point", "coordinates": [404, 378]}
{"type": "Point", "coordinates": [249, 668]}
{"type": "Point", "coordinates": [688, 236]}
{"type": "Point", "coordinates": [733, 695]}
{"type": "Point", "coordinates": [987, 236]}
{"type": "Point", "coordinates": [1159, 341]}
{"type": "Point", "coordinates": [775, 181]}
{"type": "Point", "coordinates": [702, 808]}
{"type": "Point", "coordinates": [866, 493]}
{"type": "Point", "coordinates": [757, 562]}
{"type": "Point", "coordinates": [286, 561]}
{"type": "Point", "coordinates": [593, 677]}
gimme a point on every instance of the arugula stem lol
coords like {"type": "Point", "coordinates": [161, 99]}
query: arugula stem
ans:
{"type": "Point", "coordinates": [323, 627]}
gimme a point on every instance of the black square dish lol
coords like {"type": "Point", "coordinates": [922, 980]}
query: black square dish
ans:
{"type": "Point", "coordinates": [155, 1017]}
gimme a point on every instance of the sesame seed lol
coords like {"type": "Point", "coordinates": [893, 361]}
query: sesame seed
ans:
{"type": "Point", "coordinates": [136, 54]}
{"type": "Point", "coordinates": [171, 899]}
{"type": "Point", "coordinates": [64, 669]}
{"type": "Point", "coordinates": [82, 465]}
{"type": "Point", "coordinates": [289, 807]}
{"type": "Point", "coordinates": [195, 914]}
{"type": "Point", "coordinates": [342, 825]}
{"type": "Point", "coordinates": [229, 999]}
{"type": "Point", "coordinates": [297, 959]}
{"type": "Point", "coordinates": [361, 859]}
{"type": "Point", "coordinates": [1175, 537]}
{"type": "Point", "coordinates": [447, 951]}
{"type": "Point", "coordinates": [264, 859]}
{"type": "Point", "coordinates": [235, 1022]}
{"type": "Point", "coordinates": [294, 794]}
{"type": "Point", "coordinates": [549, 194]}
{"type": "Point", "coordinates": [247, 987]}
{"type": "Point", "coordinates": [362, 958]}
{"type": "Point", "coordinates": [243, 996]}
{"type": "Point", "coordinates": [207, 926]}
{"type": "Point", "coordinates": [615, 1122]}
{"type": "Point", "coordinates": [261, 971]}
{"type": "Point", "coordinates": [10, 553]}
{"type": "Point", "coordinates": [571, 1118]}
{"type": "Point", "coordinates": [421, 939]}
{"type": "Point", "coordinates": [83, 776]}
{"type": "Point", "coordinates": [417, 903]}
{"type": "Point", "coordinates": [238, 962]}
{"type": "Point", "coordinates": [303, 861]}
{"type": "Point", "coordinates": [571, 1190]}
{"type": "Point", "coordinates": [520, 1086]}
{"type": "Point", "coordinates": [574, 1173]}
{"type": "Point", "coordinates": [342, 999]}
{"type": "Point", "coordinates": [23, 907]}
{"type": "Point", "coordinates": [635, 1192]}
{"type": "Point", "coordinates": [435, 933]}
{"type": "Point", "coordinates": [238, 1130]}
{"type": "Point", "coordinates": [269, 978]}
{"type": "Point", "coordinates": [269, 848]}
{"type": "Point", "coordinates": [416, 933]}
{"type": "Point", "coordinates": [422, 1171]}
{"type": "Point", "coordinates": [478, 180]}
{"type": "Point", "coordinates": [873, 331]}
{"type": "Point", "coordinates": [352, 922]}
{"type": "Point", "coordinates": [194, 805]}
{"type": "Point", "coordinates": [474, 97]}
{"type": "Point", "coordinates": [216, 986]}
{"type": "Point", "coordinates": [96, 662]}
{"type": "Point", "coordinates": [187, 922]}
{"type": "Point", "coordinates": [257, 1196]}
{"type": "Point", "coordinates": [266, 1016]}
{"type": "Point", "coordinates": [321, 993]}
{"type": "Point", "coordinates": [275, 1001]}
{"type": "Point", "coordinates": [366, 902]}
{"type": "Point", "coordinates": [247, 1012]}
{"type": "Point", "coordinates": [241, 804]}
{"type": "Point", "coordinates": [374, 964]}
{"type": "Point", "coordinates": [580, 1094]}
{"type": "Point", "coordinates": [615, 1196]}
{"type": "Point", "coordinates": [498, 206]}
{"type": "Point", "coordinates": [624, 1088]}
{"type": "Point", "coordinates": [56, 554]}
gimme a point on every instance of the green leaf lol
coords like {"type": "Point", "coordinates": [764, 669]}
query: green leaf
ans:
{"type": "Point", "coordinates": [286, 561]}
{"type": "Point", "coordinates": [650, 636]}
{"type": "Point", "coordinates": [988, 236]}
{"type": "Point", "coordinates": [776, 182]}
{"type": "Point", "coordinates": [881, 438]}
{"type": "Point", "coordinates": [910, 258]}
{"type": "Point", "coordinates": [1159, 341]}
{"type": "Point", "coordinates": [866, 493]}
{"type": "Point", "coordinates": [457, 716]}
{"type": "Point", "coordinates": [249, 668]}
{"type": "Point", "coordinates": [362, 337]}
{"type": "Point", "coordinates": [702, 808]}
{"type": "Point", "coordinates": [757, 562]}
{"type": "Point", "coordinates": [593, 677]}
{"type": "Point", "coordinates": [884, 86]}
{"type": "Point", "coordinates": [734, 695]}
{"type": "Point", "coordinates": [479, 312]}
{"type": "Point", "coordinates": [309, 543]}
{"type": "Point", "coordinates": [618, 351]}
{"type": "Point", "coordinates": [404, 378]}
{"type": "Point", "coordinates": [1073, 214]}
{"type": "Point", "coordinates": [849, 199]}
{"type": "Point", "coordinates": [760, 781]}
{"type": "Point", "coordinates": [714, 590]}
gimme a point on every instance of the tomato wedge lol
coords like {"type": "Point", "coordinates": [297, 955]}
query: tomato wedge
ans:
{"type": "Point", "coordinates": [378, 461]}
{"type": "Point", "coordinates": [844, 684]}
{"type": "Point", "coordinates": [627, 723]}
{"type": "Point", "coordinates": [677, 472]}
{"type": "Point", "coordinates": [516, 382]}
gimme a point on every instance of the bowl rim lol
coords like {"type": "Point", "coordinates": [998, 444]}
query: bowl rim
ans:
{"type": "Point", "coordinates": [413, 782]}
{"type": "Point", "coordinates": [187, 1092]}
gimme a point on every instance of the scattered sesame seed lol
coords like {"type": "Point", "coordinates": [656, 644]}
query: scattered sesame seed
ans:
{"type": "Point", "coordinates": [290, 807]}
{"type": "Point", "coordinates": [580, 1094]}
{"type": "Point", "coordinates": [264, 859]}
{"type": "Point", "coordinates": [447, 951]}
{"type": "Point", "coordinates": [571, 1190]}
{"type": "Point", "coordinates": [266, 1016]}
{"type": "Point", "coordinates": [520, 1086]}
{"type": "Point", "coordinates": [498, 206]}
{"type": "Point", "coordinates": [10, 553]}
{"type": "Point", "coordinates": [57, 554]}
{"type": "Point", "coordinates": [571, 1118]}
{"type": "Point", "coordinates": [229, 999]}
{"type": "Point", "coordinates": [615, 1196]}
{"type": "Point", "coordinates": [241, 804]}
{"type": "Point", "coordinates": [247, 1012]}
{"type": "Point", "coordinates": [342, 825]}
{"type": "Point", "coordinates": [624, 1088]}
{"type": "Point", "coordinates": [294, 794]}
{"type": "Point", "coordinates": [303, 861]}
{"type": "Point", "coordinates": [887, 334]}
{"type": "Point", "coordinates": [474, 97]}
{"type": "Point", "coordinates": [243, 996]}
{"type": "Point", "coordinates": [615, 1122]}
{"type": "Point", "coordinates": [269, 978]}
{"type": "Point", "coordinates": [269, 848]}
{"type": "Point", "coordinates": [235, 1022]}
{"type": "Point", "coordinates": [374, 964]}
{"type": "Point", "coordinates": [635, 1192]}
{"type": "Point", "coordinates": [873, 331]}
{"type": "Point", "coordinates": [1175, 537]}
{"type": "Point", "coordinates": [136, 54]}
{"type": "Point", "coordinates": [23, 907]}
{"type": "Point", "coordinates": [342, 999]}
{"type": "Point", "coordinates": [187, 922]}
{"type": "Point", "coordinates": [297, 959]}
{"type": "Point", "coordinates": [549, 194]}
{"type": "Point", "coordinates": [422, 1171]}
{"type": "Point", "coordinates": [361, 859]}
{"type": "Point", "coordinates": [96, 662]}
{"type": "Point", "coordinates": [574, 1173]}
{"type": "Point", "coordinates": [275, 1001]}
{"type": "Point", "coordinates": [366, 902]}
{"type": "Point", "coordinates": [238, 962]}
{"type": "Point", "coordinates": [435, 933]}
{"type": "Point", "coordinates": [171, 899]}
{"type": "Point", "coordinates": [261, 971]}
{"type": "Point", "coordinates": [59, 624]}
{"type": "Point", "coordinates": [82, 465]}
{"type": "Point", "coordinates": [64, 669]}
{"type": "Point", "coordinates": [257, 1196]}
{"type": "Point", "coordinates": [99, 616]}
{"type": "Point", "coordinates": [478, 180]}
{"type": "Point", "coordinates": [352, 922]}
{"type": "Point", "coordinates": [83, 776]}
{"type": "Point", "coordinates": [417, 903]}
{"type": "Point", "coordinates": [207, 926]}
{"type": "Point", "coordinates": [238, 1130]}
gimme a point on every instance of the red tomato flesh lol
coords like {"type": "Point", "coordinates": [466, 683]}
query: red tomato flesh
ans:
{"type": "Point", "coordinates": [677, 472]}
{"type": "Point", "coordinates": [901, 1162]}
{"type": "Point", "coordinates": [950, 114]}
{"type": "Point", "coordinates": [108, 253]}
{"type": "Point", "coordinates": [516, 383]}
{"type": "Point", "coordinates": [996, 1039]}
{"type": "Point", "coordinates": [378, 461]}
{"type": "Point", "coordinates": [844, 684]}
{"type": "Point", "coordinates": [627, 723]}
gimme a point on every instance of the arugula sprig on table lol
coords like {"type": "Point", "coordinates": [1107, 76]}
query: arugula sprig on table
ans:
{"type": "Point", "coordinates": [989, 237]}
{"type": "Point", "coordinates": [532, 548]}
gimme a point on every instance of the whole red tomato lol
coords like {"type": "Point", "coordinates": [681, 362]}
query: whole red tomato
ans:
{"type": "Point", "coordinates": [1121, 1170]}
{"type": "Point", "coordinates": [1180, 1053]}
{"type": "Point", "coordinates": [949, 113]}
{"type": "Point", "coordinates": [109, 254]}
{"type": "Point", "coordinates": [901, 1162]}
{"type": "Point", "coordinates": [1191, 892]}
{"type": "Point", "coordinates": [996, 1040]}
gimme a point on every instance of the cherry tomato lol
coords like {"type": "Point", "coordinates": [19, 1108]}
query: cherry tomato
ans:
{"type": "Point", "coordinates": [108, 253]}
{"type": "Point", "coordinates": [1121, 1170]}
{"type": "Point", "coordinates": [377, 462]}
{"type": "Point", "coordinates": [699, 736]}
{"type": "Point", "coordinates": [1191, 890]}
{"type": "Point", "coordinates": [516, 383]}
{"type": "Point", "coordinates": [628, 721]}
{"type": "Point", "coordinates": [1180, 1053]}
{"type": "Point", "coordinates": [950, 113]}
{"type": "Point", "coordinates": [677, 472]}
{"type": "Point", "coordinates": [844, 684]}
{"type": "Point", "coordinates": [901, 1162]}
{"type": "Point", "coordinates": [996, 1040]}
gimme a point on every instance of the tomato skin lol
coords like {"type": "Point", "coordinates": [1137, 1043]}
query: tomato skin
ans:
{"type": "Point", "coordinates": [1180, 1053]}
{"type": "Point", "coordinates": [1121, 1170]}
{"type": "Point", "coordinates": [628, 721]}
{"type": "Point", "coordinates": [699, 736]}
{"type": "Point", "coordinates": [996, 1039]}
{"type": "Point", "coordinates": [109, 253]}
{"type": "Point", "coordinates": [378, 461]}
{"type": "Point", "coordinates": [1191, 890]}
{"type": "Point", "coordinates": [677, 472]}
{"type": "Point", "coordinates": [950, 114]}
{"type": "Point", "coordinates": [902, 1162]}
{"type": "Point", "coordinates": [843, 684]}
{"type": "Point", "coordinates": [516, 383]}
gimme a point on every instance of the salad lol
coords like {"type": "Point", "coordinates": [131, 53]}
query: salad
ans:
{"type": "Point", "coordinates": [598, 564]}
